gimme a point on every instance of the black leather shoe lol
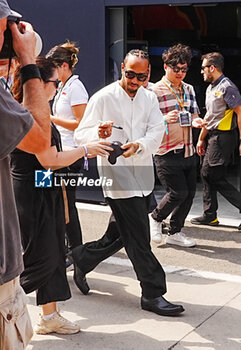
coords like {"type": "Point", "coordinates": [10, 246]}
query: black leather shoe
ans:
{"type": "Point", "coordinates": [202, 220]}
{"type": "Point", "coordinates": [161, 306]}
{"type": "Point", "coordinates": [80, 280]}
{"type": "Point", "coordinates": [79, 276]}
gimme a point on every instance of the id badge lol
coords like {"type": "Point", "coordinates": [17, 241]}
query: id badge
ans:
{"type": "Point", "coordinates": [185, 118]}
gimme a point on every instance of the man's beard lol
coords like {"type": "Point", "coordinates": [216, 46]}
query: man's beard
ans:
{"type": "Point", "coordinates": [131, 91]}
{"type": "Point", "coordinates": [209, 79]}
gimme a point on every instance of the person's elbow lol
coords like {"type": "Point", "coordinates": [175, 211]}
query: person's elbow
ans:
{"type": "Point", "coordinates": [37, 140]}
{"type": "Point", "coordinates": [43, 144]}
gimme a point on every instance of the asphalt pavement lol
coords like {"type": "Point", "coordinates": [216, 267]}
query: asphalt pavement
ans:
{"type": "Point", "coordinates": [205, 279]}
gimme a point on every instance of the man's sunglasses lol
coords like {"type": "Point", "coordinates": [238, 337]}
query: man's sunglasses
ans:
{"type": "Point", "coordinates": [129, 74]}
{"type": "Point", "coordinates": [56, 82]}
{"type": "Point", "coordinates": [177, 69]}
{"type": "Point", "coordinates": [206, 66]}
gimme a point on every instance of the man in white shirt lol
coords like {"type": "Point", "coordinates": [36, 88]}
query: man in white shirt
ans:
{"type": "Point", "coordinates": [126, 112]}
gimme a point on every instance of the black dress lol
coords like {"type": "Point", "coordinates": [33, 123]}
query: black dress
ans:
{"type": "Point", "coordinates": [42, 225]}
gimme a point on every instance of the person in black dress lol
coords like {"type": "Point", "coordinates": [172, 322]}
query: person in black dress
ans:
{"type": "Point", "coordinates": [42, 217]}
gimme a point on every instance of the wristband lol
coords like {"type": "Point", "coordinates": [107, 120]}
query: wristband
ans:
{"type": "Point", "coordinates": [86, 164]}
{"type": "Point", "coordinates": [30, 71]}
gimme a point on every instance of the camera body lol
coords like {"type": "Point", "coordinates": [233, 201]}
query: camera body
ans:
{"type": "Point", "coordinates": [185, 118]}
{"type": "Point", "coordinates": [117, 151]}
{"type": "Point", "coordinates": [7, 48]}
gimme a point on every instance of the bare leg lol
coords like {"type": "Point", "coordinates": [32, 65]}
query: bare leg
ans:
{"type": "Point", "coordinates": [49, 308]}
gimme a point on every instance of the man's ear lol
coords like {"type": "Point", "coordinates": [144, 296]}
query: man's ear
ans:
{"type": "Point", "coordinates": [122, 66]}
{"type": "Point", "coordinates": [212, 68]}
{"type": "Point", "coordinates": [165, 66]}
{"type": "Point", "coordinates": [65, 65]}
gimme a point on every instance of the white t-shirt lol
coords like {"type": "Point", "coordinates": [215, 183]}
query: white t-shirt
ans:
{"type": "Point", "coordinates": [71, 94]}
{"type": "Point", "coordinates": [141, 121]}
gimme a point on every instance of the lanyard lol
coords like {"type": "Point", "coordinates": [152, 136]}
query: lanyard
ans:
{"type": "Point", "coordinates": [180, 99]}
{"type": "Point", "coordinates": [57, 97]}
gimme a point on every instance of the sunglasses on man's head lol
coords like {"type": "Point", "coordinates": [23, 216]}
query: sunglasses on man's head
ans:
{"type": "Point", "coordinates": [177, 69]}
{"type": "Point", "coordinates": [129, 74]}
{"type": "Point", "coordinates": [56, 82]}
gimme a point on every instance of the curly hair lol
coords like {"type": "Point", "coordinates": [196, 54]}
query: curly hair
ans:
{"type": "Point", "coordinates": [66, 52]}
{"type": "Point", "coordinates": [177, 54]}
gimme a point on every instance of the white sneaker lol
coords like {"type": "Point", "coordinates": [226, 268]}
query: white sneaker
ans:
{"type": "Point", "coordinates": [56, 324]}
{"type": "Point", "coordinates": [155, 230]}
{"type": "Point", "coordinates": [180, 239]}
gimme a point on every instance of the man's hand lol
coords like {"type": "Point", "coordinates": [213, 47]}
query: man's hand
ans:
{"type": "Point", "coordinates": [105, 129]}
{"type": "Point", "coordinates": [172, 116]}
{"type": "Point", "coordinates": [199, 123]}
{"type": "Point", "coordinates": [201, 145]}
{"type": "Point", "coordinates": [131, 148]}
{"type": "Point", "coordinates": [24, 42]}
{"type": "Point", "coordinates": [237, 110]}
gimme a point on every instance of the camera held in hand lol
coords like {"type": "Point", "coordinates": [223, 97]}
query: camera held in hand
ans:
{"type": "Point", "coordinates": [7, 51]}
{"type": "Point", "coordinates": [117, 151]}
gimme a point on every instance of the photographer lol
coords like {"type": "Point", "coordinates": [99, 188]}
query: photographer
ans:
{"type": "Point", "coordinates": [175, 162]}
{"type": "Point", "coordinates": [27, 128]}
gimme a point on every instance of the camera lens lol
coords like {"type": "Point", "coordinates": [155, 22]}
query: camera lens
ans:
{"type": "Point", "coordinates": [7, 48]}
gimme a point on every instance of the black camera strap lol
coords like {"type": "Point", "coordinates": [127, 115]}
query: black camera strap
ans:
{"type": "Point", "coordinates": [10, 57]}
{"type": "Point", "coordinates": [7, 87]}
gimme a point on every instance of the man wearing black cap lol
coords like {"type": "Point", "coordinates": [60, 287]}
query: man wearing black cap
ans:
{"type": "Point", "coordinates": [27, 128]}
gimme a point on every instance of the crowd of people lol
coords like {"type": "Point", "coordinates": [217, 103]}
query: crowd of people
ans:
{"type": "Point", "coordinates": [132, 126]}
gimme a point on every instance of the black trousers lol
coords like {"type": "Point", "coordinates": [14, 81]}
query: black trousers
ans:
{"type": "Point", "coordinates": [90, 254]}
{"type": "Point", "coordinates": [178, 176]}
{"type": "Point", "coordinates": [218, 154]}
{"type": "Point", "coordinates": [130, 230]}
{"type": "Point", "coordinates": [73, 228]}
{"type": "Point", "coordinates": [41, 218]}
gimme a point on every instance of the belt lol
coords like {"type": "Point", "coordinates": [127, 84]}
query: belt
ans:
{"type": "Point", "coordinates": [178, 150]}
{"type": "Point", "coordinates": [173, 152]}
{"type": "Point", "coordinates": [218, 132]}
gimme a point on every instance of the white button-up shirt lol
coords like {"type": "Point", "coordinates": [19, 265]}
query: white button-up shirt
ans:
{"type": "Point", "coordinates": [142, 122]}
